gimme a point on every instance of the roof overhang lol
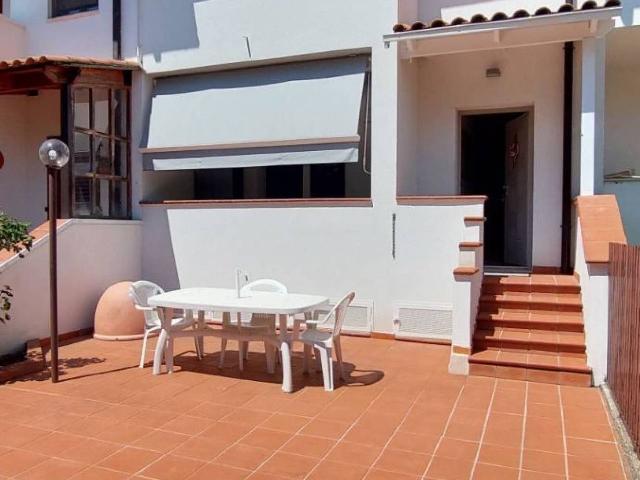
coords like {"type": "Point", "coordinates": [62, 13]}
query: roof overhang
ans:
{"type": "Point", "coordinates": [24, 75]}
{"type": "Point", "coordinates": [509, 33]}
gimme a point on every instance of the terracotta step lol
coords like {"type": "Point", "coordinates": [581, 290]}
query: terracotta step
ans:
{"type": "Point", "coordinates": [549, 368]}
{"type": "Point", "coordinates": [531, 283]}
{"type": "Point", "coordinates": [562, 343]}
{"type": "Point", "coordinates": [532, 321]}
{"type": "Point", "coordinates": [522, 301]}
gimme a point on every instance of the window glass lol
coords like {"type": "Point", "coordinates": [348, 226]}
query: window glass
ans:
{"type": "Point", "coordinates": [101, 112]}
{"type": "Point", "coordinates": [120, 194]}
{"type": "Point", "coordinates": [102, 195]}
{"type": "Point", "coordinates": [82, 196]}
{"type": "Point", "coordinates": [120, 159]}
{"type": "Point", "coordinates": [82, 153]}
{"type": "Point", "coordinates": [81, 108]}
{"type": "Point", "coordinates": [101, 155]}
{"type": "Point", "coordinates": [121, 108]}
{"type": "Point", "coordinates": [69, 7]}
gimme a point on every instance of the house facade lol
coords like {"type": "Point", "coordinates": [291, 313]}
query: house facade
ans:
{"type": "Point", "coordinates": [401, 149]}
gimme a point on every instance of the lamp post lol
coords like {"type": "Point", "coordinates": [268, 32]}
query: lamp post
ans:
{"type": "Point", "coordinates": [54, 154]}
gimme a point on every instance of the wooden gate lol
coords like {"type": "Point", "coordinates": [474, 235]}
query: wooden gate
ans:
{"type": "Point", "coordinates": [624, 334]}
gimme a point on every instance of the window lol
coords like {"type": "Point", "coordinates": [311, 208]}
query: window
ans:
{"type": "Point", "coordinates": [60, 8]}
{"type": "Point", "coordinates": [100, 163]}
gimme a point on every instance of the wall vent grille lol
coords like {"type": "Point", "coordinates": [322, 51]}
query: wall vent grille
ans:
{"type": "Point", "coordinates": [424, 321]}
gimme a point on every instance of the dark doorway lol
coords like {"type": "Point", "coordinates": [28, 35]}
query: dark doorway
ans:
{"type": "Point", "coordinates": [495, 161]}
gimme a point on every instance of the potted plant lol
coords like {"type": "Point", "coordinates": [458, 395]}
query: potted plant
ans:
{"type": "Point", "coordinates": [14, 237]}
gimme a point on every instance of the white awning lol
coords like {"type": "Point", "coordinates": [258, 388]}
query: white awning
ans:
{"type": "Point", "coordinates": [288, 114]}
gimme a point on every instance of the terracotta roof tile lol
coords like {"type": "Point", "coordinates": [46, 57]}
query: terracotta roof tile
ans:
{"type": "Point", "coordinates": [68, 61]}
{"type": "Point", "coordinates": [501, 16]}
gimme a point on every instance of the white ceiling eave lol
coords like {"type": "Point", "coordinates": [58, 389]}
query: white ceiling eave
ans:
{"type": "Point", "coordinates": [510, 33]}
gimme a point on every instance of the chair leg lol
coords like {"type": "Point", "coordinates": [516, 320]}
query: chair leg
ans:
{"type": "Point", "coordinates": [338, 348]}
{"type": "Point", "coordinates": [196, 341]}
{"type": "Point", "coordinates": [223, 349]}
{"type": "Point", "coordinates": [318, 362]}
{"type": "Point", "coordinates": [168, 359]}
{"type": "Point", "coordinates": [240, 356]}
{"type": "Point", "coordinates": [144, 348]}
{"type": "Point", "coordinates": [306, 358]}
{"type": "Point", "coordinates": [327, 367]}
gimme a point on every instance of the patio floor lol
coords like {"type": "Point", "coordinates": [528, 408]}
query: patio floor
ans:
{"type": "Point", "coordinates": [401, 417]}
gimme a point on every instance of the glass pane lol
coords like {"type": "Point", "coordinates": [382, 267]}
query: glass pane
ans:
{"type": "Point", "coordinates": [81, 153]}
{"type": "Point", "coordinates": [81, 108]}
{"type": "Point", "coordinates": [68, 7]}
{"type": "Point", "coordinates": [82, 197]}
{"type": "Point", "coordinates": [119, 204]}
{"type": "Point", "coordinates": [120, 101]}
{"type": "Point", "coordinates": [120, 159]}
{"type": "Point", "coordinates": [102, 195]}
{"type": "Point", "coordinates": [102, 155]}
{"type": "Point", "coordinates": [101, 110]}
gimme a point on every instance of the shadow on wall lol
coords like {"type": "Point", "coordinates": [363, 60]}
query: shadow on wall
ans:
{"type": "Point", "coordinates": [168, 25]}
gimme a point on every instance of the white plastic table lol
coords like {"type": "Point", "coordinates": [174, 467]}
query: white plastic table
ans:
{"type": "Point", "coordinates": [203, 300]}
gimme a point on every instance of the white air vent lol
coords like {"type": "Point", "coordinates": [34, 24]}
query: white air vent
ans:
{"type": "Point", "coordinates": [359, 317]}
{"type": "Point", "coordinates": [423, 321]}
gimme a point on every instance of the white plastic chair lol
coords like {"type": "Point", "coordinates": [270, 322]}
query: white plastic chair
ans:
{"type": "Point", "coordinates": [139, 292]}
{"type": "Point", "coordinates": [256, 322]}
{"type": "Point", "coordinates": [325, 340]}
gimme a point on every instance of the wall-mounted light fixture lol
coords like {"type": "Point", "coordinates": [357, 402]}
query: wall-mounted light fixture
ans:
{"type": "Point", "coordinates": [493, 72]}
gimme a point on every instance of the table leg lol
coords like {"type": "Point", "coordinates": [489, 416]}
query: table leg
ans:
{"type": "Point", "coordinates": [285, 349]}
{"type": "Point", "coordinates": [201, 326]}
{"type": "Point", "coordinates": [157, 358]}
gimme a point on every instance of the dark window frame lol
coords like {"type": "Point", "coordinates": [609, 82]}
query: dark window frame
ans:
{"type": "Point", "coordinates": [57, 8]}
{"type": "Point", "coordinates": [93, 176]}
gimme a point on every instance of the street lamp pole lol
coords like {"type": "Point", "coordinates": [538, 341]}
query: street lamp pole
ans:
{"type": "Point", "coordinates": [54, 154]}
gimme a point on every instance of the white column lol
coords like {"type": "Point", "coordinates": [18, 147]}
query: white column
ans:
{"type": "Point", "coordinates": [592, 116]}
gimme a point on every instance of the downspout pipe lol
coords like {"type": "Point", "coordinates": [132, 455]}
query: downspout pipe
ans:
{"type": "Point", "coordinates": [567, 150]}
{"type": "Point", "coordinates": [117, 29]}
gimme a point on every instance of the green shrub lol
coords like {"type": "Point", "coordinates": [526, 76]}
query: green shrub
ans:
{"type": "Point", "coordinates": [14, 237]}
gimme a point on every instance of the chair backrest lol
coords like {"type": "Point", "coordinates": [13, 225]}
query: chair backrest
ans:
{"type": "Point", "coordinates": [139, 293]}
{"type": "Point", "coordinates": [339, 311]}
{"type": "Point", "coordinates": [264, 285]}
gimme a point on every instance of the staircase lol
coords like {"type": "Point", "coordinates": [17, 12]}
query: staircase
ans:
{"type": "Point", "coordinates": [531, 328]}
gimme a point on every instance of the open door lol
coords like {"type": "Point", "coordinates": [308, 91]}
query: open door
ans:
{"type": "Point", "coordinates": [516, 192]}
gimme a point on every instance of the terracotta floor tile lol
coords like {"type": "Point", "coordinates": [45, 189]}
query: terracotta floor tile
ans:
{"type": "Point", "coordinates": [589, 431]}
{"type": "Point", "coordinates": [245, 416]}
{"type": "Point", "coordinates": [52, 469]}
{"type": "Point", "coordinates": [130, 460]}
{"type": "Point", "coordinates": [15, 462]}
{"type": "Point", "coordinates": [504, 429]}
{"type": "Point", "coordinates": [494, 472]}
{"type": "Point", "coordinates": [594, 469]}
{"type": "Point", "coordinates": [89, 451]}
{"type": "Point", "coordinates": [528, 475]}
{"type": "Point", "coordinates": [539, 440]}
{"type": "Point", "coordinates": [499, 455]}
{"type": "Point", "coordinates": [376, 474]}
{"type": "Point", "coordinates": [54, 443]}
{"type": "Point", "coordinates": [172, 467]}
{"type": "Point", "coordinates": [334, 470]}
{"type": "Point", "coordinates": [264, 438]}
{"type": "Point", "coordinates": [448, 469]}
{"type": "Point", "coordinates": [98, 473]}
{"type": "Point", "coordinates": [187, 424]}
{"type": "Point", "coordinates": [212, 471]}
{"type": "Point", "coordinates": [201, 448]}
{"type": "Point", "coordinates": [228, 432]}
{"type": "Point", "coordinates": [326, 428]}
{"type": "Point", "coordinates": [152, 418]}
{"type": "Point", "coordinates": [125, 432]}
{"type": "Point", "coordinates": [544, 462]}
{"type": "Point", "coordinates": [402, 461]}
{"type": "Point", "coordinates": [414, 442]}
{"type": "Point", "coordinates": [368, 435]}
{"type": "Point", "coordinates": [592, 449]}
{"type": "Point", "coordinates": [243, 456]}
{"type": "Point", "coordinates": [457, 449]}
{"type": "Point", "coordinates": [161, 441]}
{"type": "Point", "coordinates": [543, 410]}
{"type": "Point", "coordinates": [285, 423]}
{"type": "Point", "coordinates": [19, 435]}
{"type": "Point", "coordinates": [288, 465]}
{"type": "Point", "coordinates": [354, 453]}
{"type": "Point", "coordinates": [309, 446]}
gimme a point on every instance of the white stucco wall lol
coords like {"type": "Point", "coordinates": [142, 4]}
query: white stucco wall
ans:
{"type": "Point", "coordinates": [328, 251]}
{"type": "Point", "coordinates": [594, 283]}
{"type": "Point", "coordinates": [13, 39]}
{"type": "Point", "coordinates": [531, 77]}
{"type": "Point", "coordinates": [92, 255]}
{"type": "Point", "coordinates": [189, 35]}
{"type": "Point", "coordinates": [24, 123]}
{"type": "Point", "coordinates": [86, 34]}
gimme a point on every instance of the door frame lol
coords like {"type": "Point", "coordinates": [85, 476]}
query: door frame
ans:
{"type": "Point", "coordinates": [530, 111]}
